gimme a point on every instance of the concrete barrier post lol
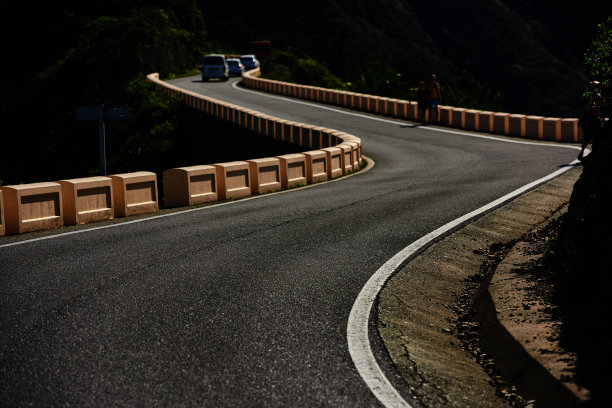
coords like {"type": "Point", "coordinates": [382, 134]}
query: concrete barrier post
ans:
{"type": "Point", "coordinates": [471, 119]}
{"type": "Point", "coordinates": [87, 200]}
{"type": "Point", "coordinates": [485, 121]}
{"type": "Point", "coordinates": [233, 179]}
{"type": "Point", "coordinates": [292, 170]}
{"type": "Point", "coordinates": [32, 207]}
{"type": "Point", "coordinates": [516, 125]}
{"type": "Point", "coordinates": [306, 136]}
{"type": "Point", "coordinates": [316, 166]}
{"type": "Point", "coordinates": [445, 115]}
{"type": "Point", "coordinates": [551, 129]}
{"type": "Point", "coordinates": [334, 160]}
{"type": "Point", "coordinates": [184, 186]}
{"type": "Point", "coordinates": [134, 193]}
{"type": "Point", "coordinates": [316, 137]}
{"type": "Point", "coordinates": [501, 123]}
{"type": "Point", "coordinates": [2, 225]}
{"type": "Point", "coordinates": [458, 117]}
{"type": "Point", "coordinates": [347, 158]}
{"type": "Point", "coordinates": [534, 127]}
{"type": "Point", "coordinates": [265, 175]}
{"type": "Point", "coordinates": [569, 130]}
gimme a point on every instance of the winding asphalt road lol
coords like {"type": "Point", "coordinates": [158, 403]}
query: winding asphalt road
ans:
{"type": "Point", "coordinates": [245, 303]}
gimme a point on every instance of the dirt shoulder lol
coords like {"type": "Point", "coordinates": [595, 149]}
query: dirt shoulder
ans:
{"type": "Point", "coordinates": [466, 327]}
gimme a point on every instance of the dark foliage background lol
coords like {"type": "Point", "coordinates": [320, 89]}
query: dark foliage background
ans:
{"type": "Point", "coordinates": [519, 56]}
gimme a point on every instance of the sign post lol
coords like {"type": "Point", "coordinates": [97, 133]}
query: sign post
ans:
{"type": "Point", "coordinates": [100, 113]}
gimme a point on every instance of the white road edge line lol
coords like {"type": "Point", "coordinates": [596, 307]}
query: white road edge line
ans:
{"type": "Point", "coordinates": [357, 326]}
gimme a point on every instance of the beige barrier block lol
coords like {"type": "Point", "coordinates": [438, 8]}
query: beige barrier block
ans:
{"type": "Point", "coordinates": [533, 126]}
{"type": "Point", "coordinates": [334, 160]}
{"type": "Point", "coordinates": [2, 228]}
{"type": "Point", "coordinates": [485, 121]}
{"type": "Point", "coordinates": [87, 199]}
{"type": "Point", "coordinates": [316, 166]}
{"type": "Point", "coordinates": [551, 129]}
{"type": "Point", "coordinates": [516, 125]}
{"type": "Point", "coordinates": [412, 111]}
{"type": "Point", "coordinates": [316, 137]}
{"type": "Point", "coordinates": [471, 119]}
{"type": "Point", "coordinates": [233, 180]}
{"type": "Point", "coordinates": [445, 115]}
{"type": "Point", "coordinates": [184, 186]}
{"type": "Point", "coordinates": [306, 135]}
{"type": "Point", "coordinates": [292, 170]}
{"type": "Point", "coordinates": [569, 130]}
{"type": "Point", "coordinates": [356, 154]}
{"type": "Point", "coordinates": [347, 158]}
{"type": "Point", "coordinates": [384, 105]}
{"type": "Point", "coordinates": [32, 207]}
{"type": "Point", "coordinates": [134, 193]}
{"type": "Point", "coordinates": [458, 117]}
{"type": "Point", "coordinates": [501, 123]}
{"type": "Point", "coordinates": [265, 175]}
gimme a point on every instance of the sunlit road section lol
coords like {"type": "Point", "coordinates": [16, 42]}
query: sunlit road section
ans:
{"type": "Point", "coordinates": [244, 304]}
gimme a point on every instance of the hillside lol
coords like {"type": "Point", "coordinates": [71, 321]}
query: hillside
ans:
{"type": "Point", "coordinates": [525, 53]}
{"type": "Point", "coordinates": [499, 55]}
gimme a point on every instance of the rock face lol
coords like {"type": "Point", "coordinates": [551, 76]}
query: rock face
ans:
{"type": "Point", "coordinates": [588, 227]}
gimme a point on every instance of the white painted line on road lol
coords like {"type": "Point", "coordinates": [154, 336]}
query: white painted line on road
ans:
{"type": "Point", "coordinates": [357, 327]}
{"type": "Point", "coordinates": [188, 210]}
{"type": "Point", "coordinates": [357, 332]}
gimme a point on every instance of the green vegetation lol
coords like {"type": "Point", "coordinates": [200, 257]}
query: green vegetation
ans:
{"type": "Point", "coordinates": [598, 59]}
{"type": "Point", "coordinates": [300, 69]}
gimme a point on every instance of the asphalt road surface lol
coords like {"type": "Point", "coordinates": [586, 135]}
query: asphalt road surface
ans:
{"type": "Point", "coordinates": [244, 304]}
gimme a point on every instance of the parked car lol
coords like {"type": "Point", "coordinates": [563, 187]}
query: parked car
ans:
{"type": "Point", "coordinates": [249, 61]}
{"type": "Point", "coordinates": [215, 66]}
{"type": "Point", "coordinates": [235, 66]}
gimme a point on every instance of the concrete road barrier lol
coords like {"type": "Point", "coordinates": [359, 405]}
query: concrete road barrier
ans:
{"type": "Point", "coordinates": [485, 121]}
{"type": "Point", "coordinates": [316, 166]}
{"type": "Point", "coordinates": [516, 125]}
{"type": "Point", "coordinates": [569, 130]}
{"type": "Point", "coordinates": [347, 158]}
{"type": "Point", "coordinates": [134, 193]}
{"type": "Point", "coordinates": [265, 175]}
{"type": "Point", "coordinates": [334, 160]}
{"type": "Point", "coordinates": [533, 126]}
{"type": "Point", "coordinates": [2, 227]}
{"type": "Point", "coordinates": [501, 123]}
{"type": "Point", "coordinates": [87, 200]}
{"type": "Point", "coordinates": [292, 170]}
{"type": "Point", "coordinates": [233, 180]}
{"type": "Point", "coordinates": [32, 207]}
{"type": "Point", "coordinates": [184, 186]}
{"type": "Point", "coordinates": [551, 129]}
{"type": "Point", "coordinates": [458, 117]}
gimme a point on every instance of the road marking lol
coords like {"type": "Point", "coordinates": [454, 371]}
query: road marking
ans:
{"type": "Point", "coordinates": [357, 332]}
{"type": "Point", "coordinates": [188, 210]}
{"type": "Point", "coordinates": [357, 326]}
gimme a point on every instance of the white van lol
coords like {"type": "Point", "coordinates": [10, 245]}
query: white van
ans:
{"type": "Point", "coordinates": [214, 66]}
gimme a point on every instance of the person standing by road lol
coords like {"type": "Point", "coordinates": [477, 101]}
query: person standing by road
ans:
{"type": "Point", "coordinates": [435, 96]}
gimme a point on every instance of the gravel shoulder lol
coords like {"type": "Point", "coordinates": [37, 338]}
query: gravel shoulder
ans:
{"type": "Point", "coordinates": [465, 326]}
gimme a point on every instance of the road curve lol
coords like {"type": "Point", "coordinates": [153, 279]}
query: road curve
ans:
{"type": "Point", "coordinates": [244, 304]}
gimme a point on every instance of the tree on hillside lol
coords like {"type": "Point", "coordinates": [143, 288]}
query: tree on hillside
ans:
{"type": "Point", "coordinates": [108, 44]}
{"type": "Point", "coordinates": [598, 59]}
